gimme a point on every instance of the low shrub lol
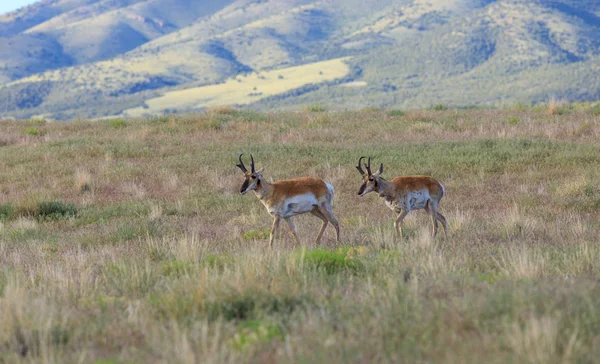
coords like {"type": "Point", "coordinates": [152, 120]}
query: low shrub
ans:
{"type": "Point", "coordinates": [55, 210]}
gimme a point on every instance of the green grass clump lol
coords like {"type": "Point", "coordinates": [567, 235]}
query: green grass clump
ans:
{"type": "Point", "coordinates": [252, 306]}
{"type": "Point", "coordinates": [257, 234]}
{"type": "Point", "coordinates": [55, 210]}
{"type": "Point", "coordinates": [6, 211]}
{"type": "Point", "coordinates": [34, 132]}
{"type": "Point", "coordinates": [439, 107]}
{"type": "Point", "coordinates": [332, 262]}
{"type": "Point", "coordinates": [254, 332]}
{"type": "Point", "coordinates": [316, 108]}
{"type": "Point", "coordinates": [396, 113]}
{"type": "Point", "coordinates": [117, 123]}
{"type": "Point", "coordinates": [513, 120]}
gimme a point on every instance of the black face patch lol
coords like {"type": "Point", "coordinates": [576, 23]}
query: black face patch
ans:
{"type": "Point", "coordinates": [362, 188]}
{"type": "Point", "coordinates": [244, 186]}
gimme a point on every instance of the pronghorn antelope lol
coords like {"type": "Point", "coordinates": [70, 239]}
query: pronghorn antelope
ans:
{"type": "Point", "coordinates": [284, 199]}
{"type": "Point", "coordinates": [404, 194]}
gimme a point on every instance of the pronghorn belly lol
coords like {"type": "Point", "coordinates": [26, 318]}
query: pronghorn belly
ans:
{"type": "Point", "coordinates": [299, 205]}
{"type": "Point", "coordinates": [416, 200]}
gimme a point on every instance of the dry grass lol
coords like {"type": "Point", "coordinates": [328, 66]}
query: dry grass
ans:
{"type": "Point", "coordinates": [164, 261]}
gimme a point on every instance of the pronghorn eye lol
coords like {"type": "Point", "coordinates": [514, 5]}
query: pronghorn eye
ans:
{"type": "Point", "coordinates": [253, 177]}
{"type": "Point", "coordinates": [371, 179]}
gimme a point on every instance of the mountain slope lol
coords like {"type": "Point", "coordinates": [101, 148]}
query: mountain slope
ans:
{"type": "Point", "coordinates": [117, 55]}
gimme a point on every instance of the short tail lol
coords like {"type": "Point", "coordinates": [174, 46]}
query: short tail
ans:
{"type": "Point", "coordinates": [330, 193]}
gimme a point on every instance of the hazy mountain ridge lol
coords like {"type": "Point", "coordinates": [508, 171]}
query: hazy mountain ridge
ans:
{"type": "Point", "coordinates": [113, 55]}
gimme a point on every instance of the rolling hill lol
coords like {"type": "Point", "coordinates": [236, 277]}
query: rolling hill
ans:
{"type": "Point", "coordinates": [93, 58]}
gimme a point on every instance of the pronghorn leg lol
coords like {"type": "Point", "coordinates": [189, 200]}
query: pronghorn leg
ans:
{"type": "Point", "coordinates": [442, 219]}
{"type": "Point", "coordinates": [398, 223]}
{"type": "Point", "coordinates": [430, 208]}
{"type": "Point", "coordinates": [292, 230]}
{"type": "Point", "coordinates": [276, 222]}
{"type": "Point", "coordinates": [328, 212]}
{"type": "Point", "coordinates": [320, 215]}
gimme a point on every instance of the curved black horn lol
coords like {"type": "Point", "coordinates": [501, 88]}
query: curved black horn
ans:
{"type": "Point", "coordinates": [369, 166]}
{"type": "Point", "coordinates": [252, 163]}
{"type": "Point", "coordinates": [241, 165]}
{"type": "Point", "coordinates": [359, 166]}
{"type": "Point", "coordinates": [380, 169]}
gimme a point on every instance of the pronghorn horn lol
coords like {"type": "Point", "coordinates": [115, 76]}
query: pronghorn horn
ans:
{"type": "Point", "coordinates": [252, 164]}
{"type": "Point", "coordinates": [380, 169]}
{"type": "Point", "coordinates": [241, 165]}
{"type": "Point", "coordinates": [369, 166]}
{"type": "Point", "coordinates": [359, 166]}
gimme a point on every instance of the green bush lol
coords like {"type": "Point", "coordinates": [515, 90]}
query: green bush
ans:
{"type": "Point", "coordinates": [513, 120]}
{"type": "Point", "coordinates": [55, 210]}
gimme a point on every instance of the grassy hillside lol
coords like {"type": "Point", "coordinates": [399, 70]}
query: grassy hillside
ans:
{"type": "Point", "coordinates": [402, 54]}
{"type": "Point", "coordinates": [127, 241]}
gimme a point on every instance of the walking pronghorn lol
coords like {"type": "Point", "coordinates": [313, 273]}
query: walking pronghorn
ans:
{"type": "Point", "coordinates": [404, 194]}
{"type": "Point", "coordinates": [284, 199]}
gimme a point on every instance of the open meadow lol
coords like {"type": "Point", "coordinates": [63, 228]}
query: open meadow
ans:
{"type": "Point", "coordinates": [127, 241]}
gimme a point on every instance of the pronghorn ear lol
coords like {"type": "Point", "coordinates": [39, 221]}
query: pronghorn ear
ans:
{"type": "Point", "coordinates": [261, 170]}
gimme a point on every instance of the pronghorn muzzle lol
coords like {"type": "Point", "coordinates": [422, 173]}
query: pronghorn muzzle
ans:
{"type": "Point", "coordinates": [361, 190]}
{"type": "Point", "coordinates": [244, 187]}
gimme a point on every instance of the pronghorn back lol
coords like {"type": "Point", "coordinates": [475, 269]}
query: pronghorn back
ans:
{"type": "Point", "coordinates": [299, 186]}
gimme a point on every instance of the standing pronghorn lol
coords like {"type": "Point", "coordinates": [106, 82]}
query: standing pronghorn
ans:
{"type": "Point", "coordinates": [284, 199]}
{"type": "Point", "coordinates": [404, 194]}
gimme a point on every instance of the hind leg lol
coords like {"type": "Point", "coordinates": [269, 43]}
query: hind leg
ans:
{"type": "Point", "coordinates": [431, 210]}
{"type": "Point", "coordinates": [328, 212]}
{"type": "Point", "coordinates": [442, 219]}
{"type": "Point", "coordinates": [320, 215]}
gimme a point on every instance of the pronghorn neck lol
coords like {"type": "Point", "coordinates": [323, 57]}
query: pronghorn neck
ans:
{"type": "Point", "coordinates": [264, 190]}
{"type": "Point", "coordinates": [385, 189]}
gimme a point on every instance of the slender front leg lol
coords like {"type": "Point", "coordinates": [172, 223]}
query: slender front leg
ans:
{"type": "Point", "coordinates": [273, 229]}
{"type": "Point", "coordinates": [398, 223]}
{"type": "Point", "coordinates": [292, 229]}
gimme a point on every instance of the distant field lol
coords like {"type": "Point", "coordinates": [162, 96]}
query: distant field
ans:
{"type": "Point", "coordinates": [127, 241]}
{"type": "Point", "coordinates": [243, 90]}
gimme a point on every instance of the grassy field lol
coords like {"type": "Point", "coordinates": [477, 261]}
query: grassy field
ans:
{"type": "Point", "coordinates": [127, 241]}
{"type": "Point", "coordinates": [245, 89]}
